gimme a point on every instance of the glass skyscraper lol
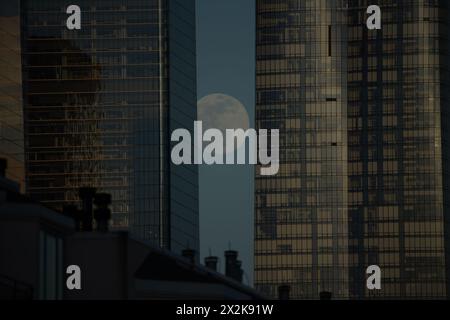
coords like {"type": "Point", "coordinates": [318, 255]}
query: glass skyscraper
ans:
{"type": "Point", "coordinates": [364, 148]}
{"type": "Point", "coordinates": [100, 104]}
{"type": "Point", "coordinates": [398, 148]}
{"type": "Point", "coordinates": [11, 120]}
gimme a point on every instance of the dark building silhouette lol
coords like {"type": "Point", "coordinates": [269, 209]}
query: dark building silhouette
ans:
{"type": "Point", "coordinates": [100, 104]}
{"type": "Point", "coordinates": [364, 149]}
{"type": "Point", "coordinates": [38, 244]}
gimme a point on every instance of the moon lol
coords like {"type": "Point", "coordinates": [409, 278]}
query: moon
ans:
{"type": "Point", "coordinates": [221, 111]}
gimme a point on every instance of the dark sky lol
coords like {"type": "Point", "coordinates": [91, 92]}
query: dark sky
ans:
{"type": "Point", "coordinates": [225, 57]}
{"type": "Point", "coordinates": [9, 8]}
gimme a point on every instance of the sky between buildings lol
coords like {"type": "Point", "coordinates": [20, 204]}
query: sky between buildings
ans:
{"type": "Point", "coordinates": [226, 63]}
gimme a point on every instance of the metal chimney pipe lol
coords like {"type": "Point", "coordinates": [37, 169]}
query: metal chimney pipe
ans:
{"type": "Point", "coordinates": [211, 263]}
{"type": "Point", "coordinates": [73, 212]}
{"type": "Point", "coordinates": [87, 195]}
{"type": "Point", "coordinates": [189, 254]}
{"type": "Point", "coordinates": [102, 214]}
{"type": "Point", "coordinates": [284, 292]}
{"type": "Point", "coordinates": [233, 268]}
{"type": "Point", "coordinates": [230, 263]}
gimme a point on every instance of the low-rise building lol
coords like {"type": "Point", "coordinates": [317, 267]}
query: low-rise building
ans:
{"type": "Point", "coordinates": [37, 245]}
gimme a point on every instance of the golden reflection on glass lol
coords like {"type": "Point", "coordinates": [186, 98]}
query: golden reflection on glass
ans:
{"type": "Point", "coordinates": [364, 140]}
{"type": "Point", "coordinates": [11, 119]}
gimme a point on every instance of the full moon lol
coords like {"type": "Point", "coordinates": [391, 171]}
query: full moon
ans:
{"type": "Point", "coordinates": [221, 111]}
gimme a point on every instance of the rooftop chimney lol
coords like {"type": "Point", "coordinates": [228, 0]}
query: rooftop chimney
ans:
{"type": "Point", "coordinates": [233, 265]}
{"type": "Point", "coordinates": [86, 195]}
{"type": "Point", "coordinates": [77, 215]}
{"type": "Point", "coordinates": [211, 263]}
{"type": "Point", "coordinates": [3, 166]}
{"type": "Point", "coordinates": [284, 292]}
{"type": "Point", "coordinates": [325, 295]}
{"type": "Point", "coordinates": [189, 254]}
{"type": "Point", "coordinates": [102, 214]}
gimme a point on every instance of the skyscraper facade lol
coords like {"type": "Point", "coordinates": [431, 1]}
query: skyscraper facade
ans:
{"type": "Point", "coordinates": [301, 213]}
{"type": "Point", "coordinates": [11, 120]}
{"type": "Point", "coordinates": [363, 148]}
{"type": "Point", "coordinates": [100, 103]}
{"type": "Point", "coordinates": [398, 148]}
